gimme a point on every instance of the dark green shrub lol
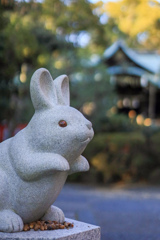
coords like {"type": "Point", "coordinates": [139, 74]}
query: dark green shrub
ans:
{"type": "Point", "coordinates": [127, 157]}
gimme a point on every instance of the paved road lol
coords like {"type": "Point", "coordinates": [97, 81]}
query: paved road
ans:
{"type": "Point", "coordinates": [123, 214]}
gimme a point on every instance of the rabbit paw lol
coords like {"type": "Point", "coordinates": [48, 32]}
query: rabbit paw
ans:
{"type": "Point", "coordinates": [10, 222]}
{"type": "Point", "coordinates": [80, 165]}
{"type": "Point", "coordinates": [54, 214]}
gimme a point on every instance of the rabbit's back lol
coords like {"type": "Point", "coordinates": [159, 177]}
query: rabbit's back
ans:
{"type": "Point", "coordinates": [5, 164]}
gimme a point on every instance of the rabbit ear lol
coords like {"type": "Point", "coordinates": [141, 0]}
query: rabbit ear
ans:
{"type": "Point", "coordinates": [62, 89]}
{"type": "Point", "coordinates": [43, 93]}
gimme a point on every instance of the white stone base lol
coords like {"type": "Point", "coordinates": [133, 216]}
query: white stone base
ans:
{"type": "Point", "coordinates": [80, 231]}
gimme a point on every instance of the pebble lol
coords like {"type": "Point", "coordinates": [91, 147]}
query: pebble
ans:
{"type": "Point", "coordinates": [46, 225]}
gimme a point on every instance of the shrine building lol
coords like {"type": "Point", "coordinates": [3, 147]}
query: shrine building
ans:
{"type": "Point", "coordinates": [136, 76]}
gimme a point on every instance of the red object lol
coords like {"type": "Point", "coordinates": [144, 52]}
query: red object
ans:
{"type": "Point", "coordinates": [19, 128]}
{"type": "Point", "coordinates": [4, 134]}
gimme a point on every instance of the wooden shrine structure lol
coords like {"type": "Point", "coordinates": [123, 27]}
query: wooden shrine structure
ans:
{"type": "Point", "coordinates": [136, 76]}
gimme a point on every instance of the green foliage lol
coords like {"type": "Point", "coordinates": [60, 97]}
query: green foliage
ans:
{"type": "Point", "coordinates": [127, 157]}
{"type": "Point", "coordinates": [120, 122]}
{"type": "Point", "coordinates": [92, 93]}
{"type": "Point", "coordinates": [40, 35]}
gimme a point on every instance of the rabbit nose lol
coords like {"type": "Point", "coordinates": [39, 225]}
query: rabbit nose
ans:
{"type": "Point", "coordinates": [89, 125]}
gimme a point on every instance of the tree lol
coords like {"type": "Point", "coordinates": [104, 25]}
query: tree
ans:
{"type": "Point", "coordinates": [71, 18]}
{"type": "Point", "coordinates": [25, 45]}
{"type": "Point", "coordinates": [139, 20]}
{"type": "Point", "coordinates": [40, 34]}
{"type": "Point", "coordinates": [7, 67]}
{"type": "Point", "coordinates": [92, 94]}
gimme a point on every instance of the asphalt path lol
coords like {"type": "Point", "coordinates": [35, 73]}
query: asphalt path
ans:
{"type": "Point", "coordinates": [122, 213]}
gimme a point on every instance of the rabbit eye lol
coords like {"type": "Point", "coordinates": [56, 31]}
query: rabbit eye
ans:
{"type": "Point", "coordinates": [62, 123]}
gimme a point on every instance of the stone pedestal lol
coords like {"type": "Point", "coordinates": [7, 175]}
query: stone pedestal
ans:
{"type": "Point", "coordinates": [80, 231]}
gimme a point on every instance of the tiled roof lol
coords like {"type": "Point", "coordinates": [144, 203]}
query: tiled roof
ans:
{"type": "Point", "coordinates": [148, 61]}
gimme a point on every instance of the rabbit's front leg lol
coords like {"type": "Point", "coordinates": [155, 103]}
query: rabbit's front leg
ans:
{"type": "Point", "coordinates": [10, 221]}
{"type": "Point", "coordinates": [54, 214]}
{"type": "Point", "coordinates": [80, 165]}
{"type": "Point", "coordinates": [33, 165]}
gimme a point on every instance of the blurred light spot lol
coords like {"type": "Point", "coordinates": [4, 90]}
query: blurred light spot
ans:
{"type": "Point", "coordinates": [126, 102]}
{"type": "Point", "coordinates": [144, 81]}
{"type": "Point", "coordinates": [83, 39]}
{"type": "Point", "coordinates": [104, 18]}
{"type": "Point", "coordinates": [58, 64]}
{"type": "Point", "coordinates": [139, 119]}
{"type": "Point", "coordinates": [111, 111]}
{"type": "Point", "coordinates": [49, 25]}
{"type": "Point", "coordinates": [142, 37]}
{"type": "Point", "coordinates": [100, 162]}
{"type": "Point", "coordinates": [132, 114]}
{"type": "Point", "coordinates": [26, 51]}
{"type": "Point", "coordinates": [95, 59]}
{"type": "Point", "coordinates": [23, 77]}
{"type": "Point", "coordinates": [79, 76]}
{"type": "Point", "coordinates": [98, 77]}
{"type": "Point", "coordinates": [41, 59]}
{"type": "Point", "coordinates": [120, 104]}
{"type": "Point", "coordinates": [147, 122]}
{"type": "Point", "coordinates": [135, 103]}
{"type": "Point", "coordinates": [88, 108]}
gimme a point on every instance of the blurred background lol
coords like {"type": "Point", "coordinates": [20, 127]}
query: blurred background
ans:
{"type": "Point", "coordinates": [111, 52]}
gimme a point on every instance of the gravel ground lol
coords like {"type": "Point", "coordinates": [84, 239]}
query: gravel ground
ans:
{"type": "Point", "coordinates": [122, 213]}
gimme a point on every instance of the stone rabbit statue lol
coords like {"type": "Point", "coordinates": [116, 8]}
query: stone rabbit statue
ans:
{"type": "Point", "coordinates": [35, 163]}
